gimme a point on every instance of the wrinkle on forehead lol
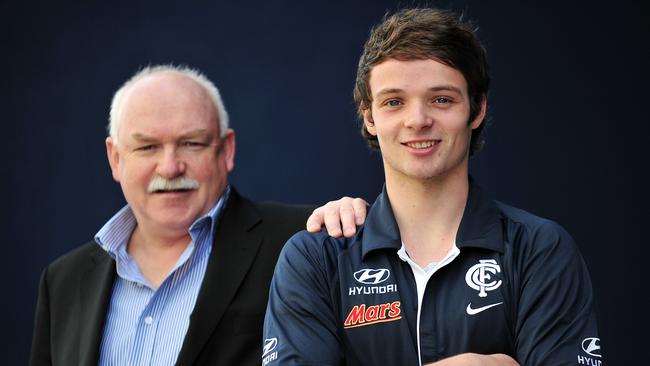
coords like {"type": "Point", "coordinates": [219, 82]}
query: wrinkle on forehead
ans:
{"type": "Point", "coordinates": [164, 93]}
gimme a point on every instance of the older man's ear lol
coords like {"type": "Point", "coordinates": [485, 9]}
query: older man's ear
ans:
{"type": "Point", "coordinates": [113, 156]}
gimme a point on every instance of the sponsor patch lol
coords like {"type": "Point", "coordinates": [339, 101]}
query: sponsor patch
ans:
{"type": "Point", "coordinates": [364, 314]}
{"type": "Point", "coordinates": [590, 346]}
{"type": "Point", "coordinates": [473, 311]}
{"type": "Point", "coordinates": [371, 276]}
{"type": "Point", "coordinates": [371, 290]}
{"type": "Point", "coordinates": [268, 351]}
{"type": "Point", "coordinates": [370, 279]}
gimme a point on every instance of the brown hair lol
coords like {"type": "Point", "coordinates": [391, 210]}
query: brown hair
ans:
{"type": "Point", "coordinates": [419, 34]}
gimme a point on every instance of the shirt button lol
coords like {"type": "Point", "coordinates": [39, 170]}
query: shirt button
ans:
{"type": "Point", "coordinates": [148, 320]}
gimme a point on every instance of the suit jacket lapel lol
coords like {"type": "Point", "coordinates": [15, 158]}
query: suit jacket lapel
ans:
{"type": "Point", "coordinates": [95, 292]}
{"type": "Point", "coordinates": [233, 251]}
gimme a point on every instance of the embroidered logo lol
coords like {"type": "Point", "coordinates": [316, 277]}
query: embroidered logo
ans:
{"type": "Point", "coordinates": [371, 276]}
{"type": "Point", "coordinates": [479, 277]}
{"type": "Point", "coordinates": [591, 346]}
{"type": "Point", "coordinates": [363, 314]}
{"type": "Point", "coordinates": [267, 351]}
{"type": "Point", "coordinates": [474, 311]}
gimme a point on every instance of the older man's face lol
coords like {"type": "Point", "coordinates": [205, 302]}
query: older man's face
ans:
{"type": "Point", "coordinates": [169, 133]}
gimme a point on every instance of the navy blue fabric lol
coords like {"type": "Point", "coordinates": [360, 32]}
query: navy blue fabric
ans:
{"type": "Point", "coordinates": [538, 281]}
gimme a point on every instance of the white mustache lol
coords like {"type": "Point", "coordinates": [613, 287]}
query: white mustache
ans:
{"type": "Point", "coordinates": [159, 183]}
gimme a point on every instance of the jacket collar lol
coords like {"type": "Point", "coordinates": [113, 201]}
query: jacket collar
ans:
{"type": "Point", "coordinates": [95, 287]}
{"type": "Point", "coordinates": [480, 226]}
{"type": "Point", "coordinates": [235, 247]}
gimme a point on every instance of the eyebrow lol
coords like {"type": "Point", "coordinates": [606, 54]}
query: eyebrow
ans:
{"type": "Point", "coordinates": [142, 137]}
{"type": "Point", "coordinates": [190, 135]}
{"type": "Point", "coordinates": [445, 87]}
{"type": "Point", "coordinates": [196, 133]}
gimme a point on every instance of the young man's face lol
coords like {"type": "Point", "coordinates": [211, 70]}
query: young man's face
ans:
{"type": "Point", "coordinates": [420, 114]}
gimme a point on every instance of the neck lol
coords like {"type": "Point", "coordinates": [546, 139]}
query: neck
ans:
{"type": "Point", "coordinates": [428, 213]}
{"type": "Point", "coordinates": [156, 252]}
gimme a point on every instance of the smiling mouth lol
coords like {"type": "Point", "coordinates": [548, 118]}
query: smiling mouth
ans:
{"type": "Point", "coordinates": [421, 144]}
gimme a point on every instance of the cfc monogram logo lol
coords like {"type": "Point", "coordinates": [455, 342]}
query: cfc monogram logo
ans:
{"type": "Point", "coordinates": [479, 277]}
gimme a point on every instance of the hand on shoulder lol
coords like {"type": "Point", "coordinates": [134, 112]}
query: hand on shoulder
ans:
{"type": "Point", "coordinates": [340, 217]}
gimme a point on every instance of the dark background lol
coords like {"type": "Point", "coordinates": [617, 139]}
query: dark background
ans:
{"type": "Point", "coordinates": [569, 106]}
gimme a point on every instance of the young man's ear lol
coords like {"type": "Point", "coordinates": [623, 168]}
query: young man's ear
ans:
{"type": "Point", "coordinates": [481, 114]}
{"type": "Point", "coordinates": [367, 120]}
{"type": "Point", "coordinates": [113, 156]}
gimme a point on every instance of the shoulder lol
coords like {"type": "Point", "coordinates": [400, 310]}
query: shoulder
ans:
{"type": "Point", "coordinates": [534, 236]}
{"type": "Point", "coordinates": [88, 251]}
{"type": "Point", "coordinates": [75, 262]}
{"type": "Point", "coordinates": [281, 211]}
{"type": "Point", "coordinates": [531, 223]}
{"type": "Point", "coordinates": [310, 244]}
{"type": "Point", "coordinates": [314, 249]}
{"type": "Point", "coordinates": [279, 216]}
{"type": "Point", "coordinates": [308, 268]}
{"type": "Point", "coordinates": [281, 219]}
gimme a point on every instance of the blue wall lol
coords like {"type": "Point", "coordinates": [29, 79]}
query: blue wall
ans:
{"type": "Point", "coordinates": [566, 141]}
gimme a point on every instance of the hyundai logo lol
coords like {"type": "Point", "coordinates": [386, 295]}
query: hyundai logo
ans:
{"type": "Point", "coordinates": [591, 346]}
{"type": "Point", "coordinates": [371, 276]}
{"type": "Point", "coordinates": [269, 345]}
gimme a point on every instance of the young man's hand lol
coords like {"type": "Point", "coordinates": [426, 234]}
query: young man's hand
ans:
{"type": "Point", "coordinates": [340, 217]}
{"type": "Point", "coordinates": [474, 359]}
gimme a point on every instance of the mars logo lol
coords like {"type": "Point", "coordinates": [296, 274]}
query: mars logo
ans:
{"type": "Point", "coordinates": [267, 352]}
{"type": "Point", "coordinates": [478, 277]}
{"type": "Point", "coordinates": [363, 314]}
{"type": "Point", "coordinates": [371, 276]}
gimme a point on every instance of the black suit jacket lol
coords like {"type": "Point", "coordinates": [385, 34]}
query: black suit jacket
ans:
{"type": "Point", "coordinates": [226, 323]}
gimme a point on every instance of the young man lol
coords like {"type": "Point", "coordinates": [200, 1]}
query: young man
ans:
{"type": "Point", "coordinates": [440, 273]}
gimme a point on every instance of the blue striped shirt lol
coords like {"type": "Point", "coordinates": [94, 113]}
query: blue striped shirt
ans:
{"type": "Point", "coordinates": [146, 326]}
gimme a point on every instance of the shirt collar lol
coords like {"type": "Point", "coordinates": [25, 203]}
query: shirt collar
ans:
{"type": "Point", "coordinates": [114, 235]}
{"type": "Point", "coordinates": [480, 226]}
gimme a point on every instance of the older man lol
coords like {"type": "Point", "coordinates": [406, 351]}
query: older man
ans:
{"type": "Point", "coordinates": [180, 275]}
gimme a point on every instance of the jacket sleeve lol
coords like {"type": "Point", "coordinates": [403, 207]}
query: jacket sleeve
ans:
{"type": "Point", "coordinates": [40, 353]}
{"type": "Point", "coordinates": [300, 324]}
{"type": "Point", "coordinates": [556, 322]}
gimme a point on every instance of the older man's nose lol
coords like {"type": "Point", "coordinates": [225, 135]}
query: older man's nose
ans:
{"type": "Point", "coordinates": [170, 164]}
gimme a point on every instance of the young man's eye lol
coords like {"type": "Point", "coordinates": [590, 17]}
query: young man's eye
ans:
{"type": "Point", "coordinates": [442, 100]}
{"type": "Point", "coordinates": [393, 103]}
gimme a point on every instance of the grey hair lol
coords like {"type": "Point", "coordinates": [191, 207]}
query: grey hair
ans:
{"type": "Point", "coordinates": [197, 76]}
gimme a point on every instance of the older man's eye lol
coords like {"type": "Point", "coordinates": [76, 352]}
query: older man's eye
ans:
{"type": "Point", "coordinates": [145, 147]}
{"type": "Point", "coordinates": [193, 144]}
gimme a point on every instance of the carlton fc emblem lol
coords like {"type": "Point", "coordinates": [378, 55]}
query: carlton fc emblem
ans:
{"type": "Point", "coordinates": [479, 277]}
